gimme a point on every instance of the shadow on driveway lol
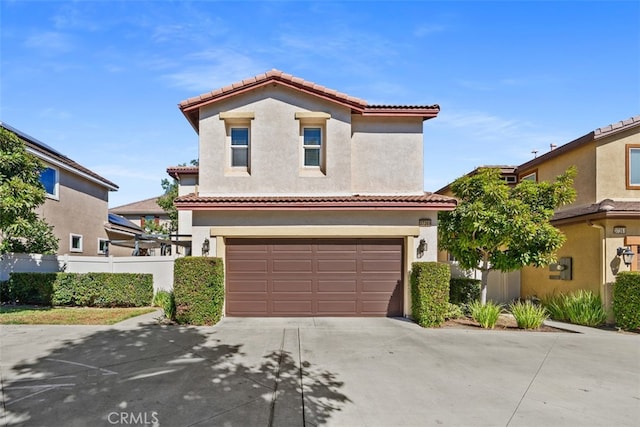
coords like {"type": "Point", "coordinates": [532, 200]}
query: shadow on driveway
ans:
{"type": "Point", "coordinates": [164, 375]}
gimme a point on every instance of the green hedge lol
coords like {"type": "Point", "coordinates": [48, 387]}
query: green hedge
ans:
{"type": "Point", "coordinates": [463, 290]}
{"type": "Point", "coordinates": [198, 290]}
{"type": "Point", "coordinates": [76, 289]}
{"type": "Point", "coordinates": [429, 292]}
{"type": "Point", "coordinates": [626, 300]}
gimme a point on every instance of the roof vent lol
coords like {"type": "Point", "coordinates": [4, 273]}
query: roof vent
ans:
{"type": "Point", "coordinates": [552, 147]}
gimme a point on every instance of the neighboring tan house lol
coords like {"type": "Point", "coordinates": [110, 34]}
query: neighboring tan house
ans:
{"type": "Point", "coordinates": [313, 198]}
{"type": "Point", "coordinates": [603, 221]}
{"type": "Point", "coordinates": [604, 217]}
{"type": "Point", "coordinates": [77, 200]}
{"type": "Point", "coordinates": [143, 212]}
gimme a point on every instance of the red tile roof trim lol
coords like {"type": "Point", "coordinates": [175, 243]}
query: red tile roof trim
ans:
{"type": "Point", "coordinates": [174, 171]}
{"type": "Point", "coordinates": [191, 106]}
{"type": "Point", "coordinates": [427, 201]}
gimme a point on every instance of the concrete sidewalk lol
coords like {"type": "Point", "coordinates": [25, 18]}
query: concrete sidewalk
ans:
{"type": "Point", "coordinates": [315, 371]}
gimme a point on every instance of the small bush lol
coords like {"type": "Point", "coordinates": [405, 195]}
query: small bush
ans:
{"type": "Point", "coordinates": [429, 292]}
{"type": "Point", "coordinates": [580, 308]}
{"type": "Point", "coordinates": [463, 290]}
{"type": "Point", "coordinates": [486, 315]}
{"type": "Point", "coordinates": [75, 289]}
{"type": "Point", "coordinates": [626, 300]}
{"type": "Point", "coordinates": [528, 315]}
{"type": "Point", "coordinates": [454, 311]}
{"type": "Point", "coordinates": [166, 302]}
{"type": "Point", "coordinates": [198, 290]}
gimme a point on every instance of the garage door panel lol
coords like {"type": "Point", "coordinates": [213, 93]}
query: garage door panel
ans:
{"type": "Point", "coordinates": [342, 286]}
{"type": "Point", "coordinates": [314, 277]}
{"type": "Point", "coordinates": [292, 286]}
{"type": "Point", "coordinates": [336, 265]}
{"type": "Point", "coordinates": [244, 286]}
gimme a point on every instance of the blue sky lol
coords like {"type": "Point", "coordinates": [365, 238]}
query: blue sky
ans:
{"type": "Point", "coordinates": [100, 81]}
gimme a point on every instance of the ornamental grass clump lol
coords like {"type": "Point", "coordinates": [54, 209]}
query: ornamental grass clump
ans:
{"type": "Point", "coordinates": [528, 315]}
{"type": "Point", "coordinates": [165, 300]}
{"type": "Point", "coordinates": [581, 307]}
{"type": "Point", "coordinates": [486, 315]}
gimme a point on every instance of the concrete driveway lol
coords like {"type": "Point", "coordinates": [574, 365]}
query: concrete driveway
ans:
{"type": "Point", "coordinates": [315, 371]}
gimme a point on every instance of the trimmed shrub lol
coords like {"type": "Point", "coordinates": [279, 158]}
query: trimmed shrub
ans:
{"type": "Point", "coordinates": [463, 290]}
{"type": "Point", "coordinates": [485, 314]}
{"type": "Point", "coordinates": [31, 288]}
{"type": "Point", "coordinates": [528, 315]}
{"type": "Point", "coordinates": [88, 290]}
{"type": "Point", "coordinates": [165, 300]}
{"type": "Point", "coordinates": [429, 292]}
{"type": "Point", "coordinates": [626, 300]}
{"type": "Point", "coordinates": [198, 290]}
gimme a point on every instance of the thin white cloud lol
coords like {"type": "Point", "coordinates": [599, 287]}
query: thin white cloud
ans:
{"type": "Point", "coordinates": [112, 172]}
{"type": "Point", "coordinates": [50, 42]}
{"type": "Point", "coordinates": [427, 29]}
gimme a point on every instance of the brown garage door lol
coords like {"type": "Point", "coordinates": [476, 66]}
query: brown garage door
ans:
{"type": "Point", "coordinates": [314, 277]}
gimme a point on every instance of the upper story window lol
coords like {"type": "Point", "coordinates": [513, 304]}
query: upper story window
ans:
{"type": "Point", "coordinates": [240, 147]}
{"type": "Point", "coordinates": [533, 176]}
{"type": "Point", "coordinates": [312, 146]}
{"type": "Point", "coordinates": [49, 178]}
{"type": "Point", "coordinates": [633, 166]}
{"type": "Point", "coordinates": [313, 142]}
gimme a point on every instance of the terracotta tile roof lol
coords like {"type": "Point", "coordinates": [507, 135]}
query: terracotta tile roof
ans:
{"type": "Point", "coordinates": [190, 107]}
{"type": "Point", "coordinates": [426, 201]}
{"type": "Point", "coordinates": [607, 208]}
{"type": "Point", "coordinates": [584, 139]}
{"type": "Point", "coordinates": [147, 206]}
{"type": "Point", "coordinates": [45, 150]}
{"type": "Point", "coordinates": [174, 171]}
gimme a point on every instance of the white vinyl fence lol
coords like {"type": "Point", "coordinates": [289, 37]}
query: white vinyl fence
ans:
{"type": "Point", "coordinates": [160, 266]}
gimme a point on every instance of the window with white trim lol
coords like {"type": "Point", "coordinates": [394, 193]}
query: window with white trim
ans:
{"type": "Point", "coordinates": [239, 149]}
{"type": "Point", "coordinates": [103, 246]}
{"type": "Point", "coordinates": [312, 146]}
{"type": "Point", "coordinates": [75, 242]}
{"type": "Point", "coordinates": [49, 178]}
{"type": "Point", "coordinates": [633, 166]}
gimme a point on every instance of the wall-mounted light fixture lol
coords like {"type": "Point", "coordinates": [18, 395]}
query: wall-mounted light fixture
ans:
{"type": "Point", "coordinates": [205, 247]}
{"type": "Point", "coordinates": [627, 255]}
{"type": "Point", "coordinates": [422, 247]}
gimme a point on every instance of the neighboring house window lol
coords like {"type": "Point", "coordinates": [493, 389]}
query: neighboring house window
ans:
{"type": "Point", "coordinates": [149, 219]}
{"type": "Point", "coordinates": [533, 176]}
{"type": "Point", "coordinates": [240, 147]}
{"type": "Point", "coordinates": [312, 146]}
{"type": "Point", "coordinates": [509, 179]}
{"type": "Point", "coordinates": [75, 242]}
{"type": "Point", "coordinates": [103, 246]}
{"type": "Point", "coordinates": [633, 166]}
{"type": "Point", "coordinates": [49, 178]}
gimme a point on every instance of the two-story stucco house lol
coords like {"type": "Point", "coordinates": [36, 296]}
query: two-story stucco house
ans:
{"type": "Point", "coordinates": [76, 200]}
{"type": "Point", "coordinates": [313, 198]}
{"type": "Point", "coordinates": [605, 215]}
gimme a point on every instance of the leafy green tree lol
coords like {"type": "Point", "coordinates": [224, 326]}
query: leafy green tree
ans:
{"type": "Point", "coordinates": [21, 230]}
{"type": "Point", "coordinates": [170, 193]}
{"type": "Point", "coordinates": [497, 227]}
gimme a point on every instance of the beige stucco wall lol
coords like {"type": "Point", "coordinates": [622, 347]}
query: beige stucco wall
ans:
{"type": "Point", "coordinates": [387, 155]}
{"type": "Point", "coordinates": [81, 208]}
{"type": "Point", "coordinates": [583, 246]}
{"type": "Point", "coordinates": [584, 158]}
{"type": "Point", "coordinates": [373, 156]}
{"type": "Point", "coordinates": [611, 157]}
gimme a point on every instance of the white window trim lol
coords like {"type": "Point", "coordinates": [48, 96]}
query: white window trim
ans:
{"type": "Point", "coordinates": [56, 188]}
{"type": "Point", "coordinates": [71, 248]}
{"type": "Point", "coordinates": [231, 147]}
{"type": "Point", "coordinates": [237, 119]}
{"type": "Point", "coordinates": [313, 119]}
{"type": "Point", "coordinates": [628, 166]}
{"type": "Point", "coordinates": [100, 240]}
{"type": "Point", "coordinates": [320, 147]}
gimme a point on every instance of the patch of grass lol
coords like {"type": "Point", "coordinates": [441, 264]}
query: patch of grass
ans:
{"type": "Point", "coordinates": [37, 315]}
{"type": "Point", "coordinates": [486, 315]}
{"type": "Point", "coordinates": [528, 315]}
